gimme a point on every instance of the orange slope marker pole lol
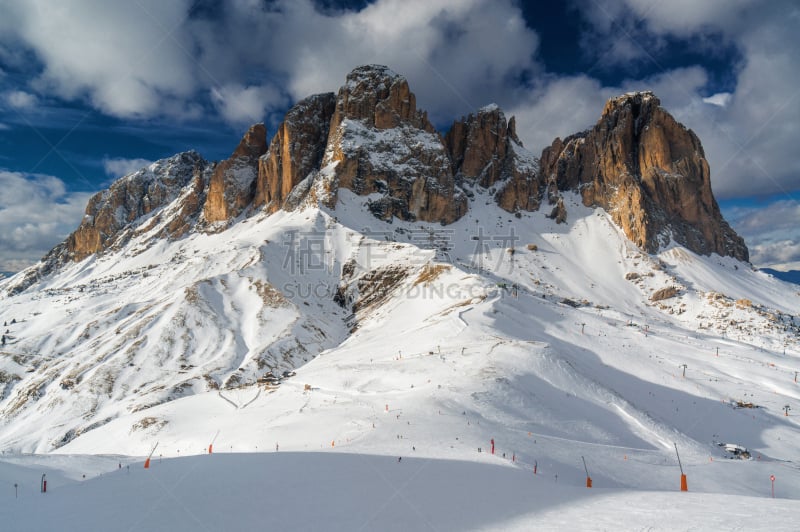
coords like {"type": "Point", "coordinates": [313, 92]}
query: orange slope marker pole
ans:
{"type": "Point", "coordinates": [588, 478]}
{"type": "Point", "coordinates": [211, 445]}
{"type": "Point", "coordinates": [147, 462]}
{"type": "Point", "coordinates": [684, 484]}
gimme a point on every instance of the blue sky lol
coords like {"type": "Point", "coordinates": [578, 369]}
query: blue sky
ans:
{"type": "Point", "coordinates": [92, 89]}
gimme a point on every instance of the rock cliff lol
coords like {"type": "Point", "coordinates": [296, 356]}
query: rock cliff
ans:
{"type": "Point", "coordinates": [233, 184]}
{"type": "Point", "coordinates": [649, 172]}
{"type": "Point", "coordinates": [111, 211]}
{"type": "Point", "coordinates": [295, 151]}
{"type": "Point", "coordinates": [380, 143]}
{"type": "Point", "coordinates": [484, 149]}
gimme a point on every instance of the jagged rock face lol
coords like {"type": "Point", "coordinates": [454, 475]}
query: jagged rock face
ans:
{"type": "Point", "coordinates": [190, 206]}
{"type": "Point", "coordinates": [111, 211]}
{"type": "Point", "coordinates": [485, 149]}
{"type": "Point", "coordinates": [380, 98]}
{"type": "Point", "coordinates": [479, 144]}
{"type": "Point", "coordinates": [649, 172]}
{"type": "Point", "coordinates": [295, 150]}
{"type": "Point", "coordinates": [380, 143]}
{"type": "Point", "coordinates": [233, 183]}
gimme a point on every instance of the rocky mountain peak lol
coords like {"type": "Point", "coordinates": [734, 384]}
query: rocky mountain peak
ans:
{"type": "Point", "coordinates": [640, 102]}
{"type": "Point", "coordinates": [479, 145]}
{"type": "Point", "coordinates": [649, 172]}
{"type": "Point", "coordinates": [380, 143]}
{"type": "Point", "coordinates": [116, 209]}
{"type": "Point", "coordinates": [253, 143]}
{"type": "Point", "coordinates": [485, 150]}
{"type": "Point", "coordinates": [379, 97]}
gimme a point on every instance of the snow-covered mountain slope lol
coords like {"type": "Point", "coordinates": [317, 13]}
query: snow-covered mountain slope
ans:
{"type": "Point", "coordinates": [413, 339]}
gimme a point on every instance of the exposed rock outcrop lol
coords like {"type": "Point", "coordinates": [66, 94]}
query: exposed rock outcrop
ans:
{"type": "Point", "coordinates": [380, 98]}
{"type": "Point", "coordinates": [295, 151]}
{"type": "Point", "coordinates": [485, 150]}
{"type": "Point", "coordinates": [649, 172]}
{"type": "Point", "coordinates": [113, 211]}
{"type": "Point", "coordinates": [380, 143]}
{"type": "Point", "coordinates": [233, 184]}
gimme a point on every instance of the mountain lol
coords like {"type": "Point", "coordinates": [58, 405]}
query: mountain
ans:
{"type": "Point", "coordinates": [649, 172]}
{"type": "Point", "coordinates": [362, 283]}
{"type": "Point", "coordinates": [637, 163]}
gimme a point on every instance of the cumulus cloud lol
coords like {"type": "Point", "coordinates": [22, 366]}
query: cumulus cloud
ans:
{"type": "Point", "coordinates": [147, 58]}
{"type": "Point", "coordinates": [118, 166]}
{"type": "Point", "coordinates": [721, 99]}
{"type": "Point", "coordinates": [20, 99]}
{"type": "Point", "coordinates": [36, 213]}
{"type": "Point", "coordinates": [244, 105]}
{"type": "Point", "coordinates": [558, 107]}
{"type": "Point", "coordinates": [458, 55]}
{"type": "Point", "coordinates": [772, 232]}
{"type": "Point", "coordinates": [125, 57]}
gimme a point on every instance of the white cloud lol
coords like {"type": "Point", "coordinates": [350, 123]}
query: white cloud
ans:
{"type": "Point", "coordinates": [118, 166]}
{"type": "Point", "coordinates": [781, 254]}
{"type": "Point", "coordinates": [684, 17]}
{"type": "Point", "coordinates": [721, 99]}
{"type": "Point", "coordinates": [148, 58]}
{"type": "Point", "coordinates": [20, 99]}
{"type": "Point", "coordinates": [36, 213]}
{"type": "Point", "coordinates": [771, 231]}
{"type": "Point", "coordinates": [558, 107]}
{"type": "Point", "coordinates": [245, 105]}
{"type": "Point", "coordinates": [4, 127]}
{"type": "Point", "coordinates": [124, 56]}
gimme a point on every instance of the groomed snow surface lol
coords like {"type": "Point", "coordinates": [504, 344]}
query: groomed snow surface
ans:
{"type": "Point", "coordinates": [341, 491]}
{"type": "Point", "coordinates": [555, 351]}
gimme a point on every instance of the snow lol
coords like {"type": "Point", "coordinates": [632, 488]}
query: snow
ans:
{"type": "Point", "coordinates": [341, 491]}
{"type": "Point", "coordinates": [550, 351]}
